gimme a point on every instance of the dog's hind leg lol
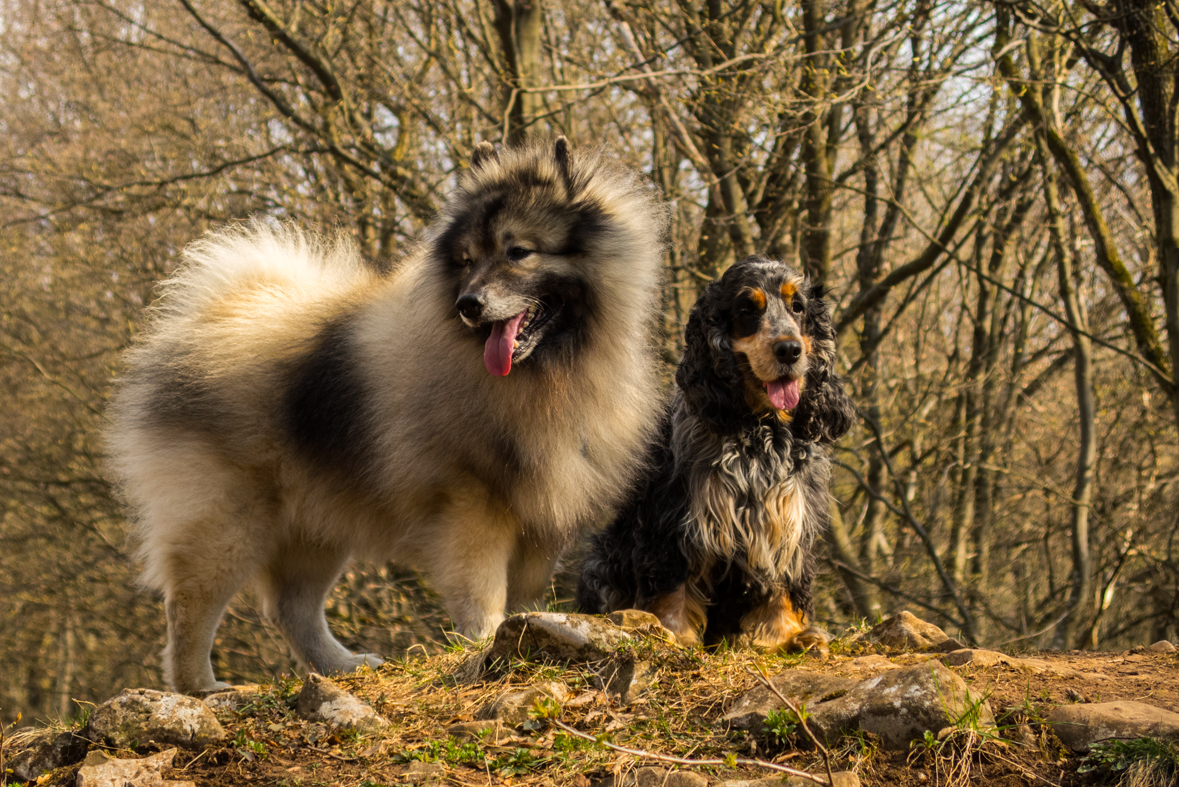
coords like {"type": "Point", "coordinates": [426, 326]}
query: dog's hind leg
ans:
{"type": "Point", "coordinates": [298, 580]}
{"type": "Point", "coordinates": [198, 584]}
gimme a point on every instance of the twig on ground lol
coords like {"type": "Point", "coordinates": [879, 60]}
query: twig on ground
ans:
{"type": "Point", "coordinates": [685, 761]}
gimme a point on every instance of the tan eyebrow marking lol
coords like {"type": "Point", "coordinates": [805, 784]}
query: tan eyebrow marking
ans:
{"type": "Point", "coordinates": [789, 289]}
{"type": "Point", "coordinates": [758, 297]}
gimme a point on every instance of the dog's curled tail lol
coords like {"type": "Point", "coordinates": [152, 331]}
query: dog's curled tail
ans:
{"type": "Point", "coordinates": [256, 255]}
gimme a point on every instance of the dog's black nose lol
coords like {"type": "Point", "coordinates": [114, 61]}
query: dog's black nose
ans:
{"type": "Point", "coordinates": [788, 350]}
{"type": "Point", "coordinates": [470, 306]}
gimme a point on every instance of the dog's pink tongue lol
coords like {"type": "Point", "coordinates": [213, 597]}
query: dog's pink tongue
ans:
{"type": "Point", "coordinates": [497, 353]}
{"type": "Point", "coordinates": [783, 394]}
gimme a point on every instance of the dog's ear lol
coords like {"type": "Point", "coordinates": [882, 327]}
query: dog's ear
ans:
{"type": "Point", "coordinates": [825, 413]}
{"type": "Point", "coordinates": [561, 155]}
{"type": "Point", "coordinates": [708, 374]}
{"type": "Point", "coordinates": [483, 153]}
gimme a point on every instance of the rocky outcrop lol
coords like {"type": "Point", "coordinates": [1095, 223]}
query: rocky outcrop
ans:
{"type": "Point", "coordinates": [102, 771]}
{"type": "Point", "coordinates": [899, 705]}
{"type": "Point", "coordinates": [515, 707]}
{"type": "Point", "coordinates": [905, 631]}
{"type": "Point", "coordinates": [1080, 726]}
{"type": "Point", "coordinates": [139, 716]}
{"type": "Point", "coordinates": [322, 700]}
{"type": "Point", "coordinates": [557, 636]}
{"type": "Point", "coordinates": [606, 644]}
{"type": "Point", "coordinates": [801, 688]}
{"type": "Point", "coordinates": [46, 750]}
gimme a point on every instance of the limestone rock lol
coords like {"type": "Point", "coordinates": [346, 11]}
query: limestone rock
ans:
{"type": "Point", "coordinates": [1162, 646]}
{"type": "Point", "coordinates": [626, 678]}
{"type": "Point", "coordinates": [1080, 726]}
{"type": "Point", "coordinates": [811, 688]}
{"type": "Point", "coordinates": [488, 730]}
{"type": "Point", "coordinates": [900, 705]}
{"type": "Point", "coordinates": [977, 658]}
{"type": "Point", "coordinates": [872, 662]}
{"type": "Point", "coordinates": [322, 700]}
{"type": "Point", "coordinates": [557, 636]}
{"type": "Point", "coordinates": [514, 707]}
{"type": "Point", "coordinates": [43, 751]}
{"type": "Point", "coordinates": [101, 771]}
{"type": "Point", "coordinates": [906, 631]}
{"type": "Point", "coordinates": [229, 700]}
{"type": "Point", "coordinates": [142, 715]}
{"type": "Point", "coordinates": [1041, 667]}
{"type": "Point", "coordinates": [425, 773]}
{"type": "Point", "coordinates": [842, 779]}
{"type": "Point", "coordinates": [661, 777]}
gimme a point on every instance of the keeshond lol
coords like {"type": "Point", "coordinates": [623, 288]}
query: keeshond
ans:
{"type": "Point", "coordinates": [289, 409]}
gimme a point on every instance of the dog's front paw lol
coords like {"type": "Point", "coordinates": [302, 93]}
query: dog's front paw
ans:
{"type": "Point", "coordinates": [371, 660]}
{"type": "Point", "coordinates": [811, 640]}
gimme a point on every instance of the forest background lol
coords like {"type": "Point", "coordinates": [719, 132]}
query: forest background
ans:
{"type": "Point", "coordinates": [988, 189]}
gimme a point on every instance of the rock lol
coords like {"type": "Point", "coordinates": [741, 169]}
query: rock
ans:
{"type": "Point", "coordinates": [425, 772]}
{"type": "Point", "coordinates": [1162, 646]}
{"type": "Point", "coordinates": [905, 631]}
{"type": "Point", "coordinates": [487, 730]}
{"type": "Point", "coordinates": [976, 658]}
{"type": "Point", "coordinates": [515, 707]}
{"type": "Point", "coordinates": [842, 779]}
{"type": "Point", "coordinates": [142, 715]}
{"type": "Point", "coordinates": [625, 678]}
{"type": "Point", "coordinates": [1041, 667]}
{"type": "Point", "coordinates": [811, 688]}
{"type": "Point", "coordinates": [322, 700]}
{"type": "Point", "coordinates": [661, 777]}
{"type": "Point", "coordinates": [101, 771]}
{"type": "Point", "coordinates": [230, 700]}
{"type": "Point", "coordinates": [557, 636]}
{"type": "Point", "coordinates": [43, 751]}
{"type": "Point", "coordinates": [1080, 726]}
{"type": "Point", "coordinates": [900, 705]}
{"type": "Point", "coordinates": [874, 662]}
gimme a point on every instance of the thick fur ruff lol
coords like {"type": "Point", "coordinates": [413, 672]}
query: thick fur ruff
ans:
{"type": "Point", "coordinates": [718, 541]}
{"type": "Point", "coordinates": [289, 409]}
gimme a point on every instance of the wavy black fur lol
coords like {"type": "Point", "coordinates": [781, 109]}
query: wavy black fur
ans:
{"type": "Point", "coordinates": [713, 442]}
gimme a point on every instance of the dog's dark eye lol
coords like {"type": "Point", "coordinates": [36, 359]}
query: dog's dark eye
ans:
{"type": "Point", "coordinates": [796, 306]}
{"type": "Point", "coordinates": [517, 253]}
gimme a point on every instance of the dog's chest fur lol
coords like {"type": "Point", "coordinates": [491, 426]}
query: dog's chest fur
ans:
{"type": "Point", "coordinates": [749, 498]}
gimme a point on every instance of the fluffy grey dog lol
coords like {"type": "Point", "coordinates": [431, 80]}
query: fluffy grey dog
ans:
{"type": "Point", "coordinates": [289, 409]}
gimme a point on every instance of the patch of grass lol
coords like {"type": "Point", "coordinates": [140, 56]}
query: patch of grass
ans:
{"type": "Point", "coordinates": [781, 725]}
{"type": "Point", "coordinates": [1141, 762]}
{"type": "Point", "coordinates": [249, 748]}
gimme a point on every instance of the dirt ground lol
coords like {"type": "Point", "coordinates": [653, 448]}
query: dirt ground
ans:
{"type": "Point", "coordinates": [680, 716]}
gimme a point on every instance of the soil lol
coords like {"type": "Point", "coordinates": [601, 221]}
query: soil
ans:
{"type": "Point", "coordinates": [680, 716]}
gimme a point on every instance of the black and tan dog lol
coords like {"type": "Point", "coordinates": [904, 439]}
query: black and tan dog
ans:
{"type": "Point", "coordinates": [718, 540]}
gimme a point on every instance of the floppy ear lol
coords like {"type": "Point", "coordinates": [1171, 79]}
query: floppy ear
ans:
{"type": "Point", "coordinates": [483, 153]}
{"type": "Point", "coordinates": [825, 413]}
{"type": "Point", "coordinates": [708, 375]}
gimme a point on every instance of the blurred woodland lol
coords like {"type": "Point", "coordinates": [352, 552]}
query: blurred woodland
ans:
{"type": "Point", "coordinates": [989, 189]}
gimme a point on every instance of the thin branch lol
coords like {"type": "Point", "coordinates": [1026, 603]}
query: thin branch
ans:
{"type": "Point", "coordinates": [686, 761]}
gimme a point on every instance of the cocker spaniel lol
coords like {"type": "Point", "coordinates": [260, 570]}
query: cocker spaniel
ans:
{"type": "Point", "coordinates": [718, 540]}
